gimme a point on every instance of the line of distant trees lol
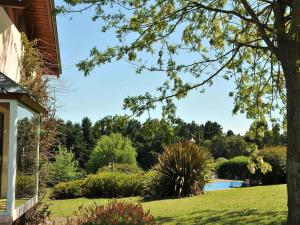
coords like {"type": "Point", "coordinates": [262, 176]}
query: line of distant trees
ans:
{"type": "Point", "coordinates": [149, 137]}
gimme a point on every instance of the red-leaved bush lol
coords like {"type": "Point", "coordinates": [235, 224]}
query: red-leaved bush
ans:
{"type": "Point", "coordinates": [113, 213]}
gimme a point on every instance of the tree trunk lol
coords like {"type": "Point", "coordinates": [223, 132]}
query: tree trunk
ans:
{"type": "Point", "coordinates": [293, 154]}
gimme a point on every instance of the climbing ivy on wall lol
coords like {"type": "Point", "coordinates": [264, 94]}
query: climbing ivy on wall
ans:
{"type": "Point", "coordinates": [38, 86]}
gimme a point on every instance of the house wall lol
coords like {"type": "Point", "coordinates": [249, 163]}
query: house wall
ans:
{"type": "Point", "coordinates": [10, 47]}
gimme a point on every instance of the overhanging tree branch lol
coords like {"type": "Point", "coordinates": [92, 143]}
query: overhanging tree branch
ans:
{"type": "Point", "coordinates": [230, 12]}
{"type": "Point", "coordinates": [261, 27]}
{"type": "Point", "coordinates": [203, 82]}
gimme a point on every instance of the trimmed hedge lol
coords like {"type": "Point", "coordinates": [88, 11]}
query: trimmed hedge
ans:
{"type": "Point", "coordinates": [276, 156]}
{"type": "Point", "coordinates": [105, 184]}
{"type": "Point", "coordinates": [235, 168]}
{"type": "Point", "coordinates": [218, 162]}
{"type": "Point", "coordinates": [113, 184]}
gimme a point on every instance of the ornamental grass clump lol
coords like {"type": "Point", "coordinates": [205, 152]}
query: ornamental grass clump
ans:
{"type": "Point", "coordinates": [114, 213]}
{"type": "Point", "coordinates": [182, 170]}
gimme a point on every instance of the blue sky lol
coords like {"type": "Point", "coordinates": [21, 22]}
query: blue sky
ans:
{"type": "Point", "coordinates": [102, 93]}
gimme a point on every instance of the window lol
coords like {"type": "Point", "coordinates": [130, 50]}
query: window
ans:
{"type": "Point", "coordinates": [27, 155]}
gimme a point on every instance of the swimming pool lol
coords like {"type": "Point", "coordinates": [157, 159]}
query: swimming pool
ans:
{"type": "Point", "coordinates": [222, 184]}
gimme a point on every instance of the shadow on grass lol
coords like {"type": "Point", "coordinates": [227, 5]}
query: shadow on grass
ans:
{"type": "Point", "coordinates": [215, 217]}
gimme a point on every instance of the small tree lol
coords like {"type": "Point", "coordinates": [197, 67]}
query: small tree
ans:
{"type": "Point", "coordinates": [88, 138]}
{"type": "Point", "coordinates": [64, 168]}
{"type": "Point", "coordinates": [111, 149]}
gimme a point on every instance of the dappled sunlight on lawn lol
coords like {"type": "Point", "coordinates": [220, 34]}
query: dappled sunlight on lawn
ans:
{"type": "Point", "coordinates": [255, 205]}
{"type": "Point", "coordinates": [229, 217]}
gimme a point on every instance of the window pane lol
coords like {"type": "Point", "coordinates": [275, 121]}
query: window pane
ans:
{"type": "Point", "coordinates": [27, 144]}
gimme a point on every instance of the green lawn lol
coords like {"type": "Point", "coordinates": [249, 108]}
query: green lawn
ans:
{"type": "Point", "coordinates": [254, 205]}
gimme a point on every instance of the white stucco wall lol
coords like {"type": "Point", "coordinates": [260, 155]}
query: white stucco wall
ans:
{"type": "Point", "coordinates": [10, 47]}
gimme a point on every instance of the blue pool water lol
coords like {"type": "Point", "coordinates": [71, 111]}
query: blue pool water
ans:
{"type": "Point", "coordinates": [221, 185]}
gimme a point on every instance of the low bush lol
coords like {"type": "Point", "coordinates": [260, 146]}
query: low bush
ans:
{"type": "Point", "coordinates": [235, 168]}
{"type": "Point", "coordinates": [105, 184]}
{"type": "Point", "coordinates": [276, 157]}
{"type": "Point", "coordinates": [113, 184]}
{"type": "Point", "coordinates": [114, 213]}
{"type": "Point", "coordinates": [66, 190]}
{"type": "Point", "coordinates": [123, 168]}
{"type": "Point", "coordinates": [154, 185]}
{"type": "Point", "coordinates": [182, 170]}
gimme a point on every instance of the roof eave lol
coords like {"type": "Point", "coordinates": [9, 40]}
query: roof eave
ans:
{"type": "Point", "coordinates": [54, 24]}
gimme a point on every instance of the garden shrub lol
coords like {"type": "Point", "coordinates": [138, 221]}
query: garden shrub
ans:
{"type": "Point", "coordinates": [182, 170]}
{"type": "Point", "coordinates": [276, 157]}
{"type": "Point", "coordinates": [114, 213]}
{"type": "Point", "coordinates": [113, 184]}
{"type": "Point", "coordinates": [66, 190]}
{"type": "Point", "coordinates": [235, 168]}
{"type": "Point", "coordinates": [218, 162]}
{"type": "Point", "coordinates": [25, 185]}
{"type": "Point", "coordinates": [111, 149]}
{"type": "Point", "coordinates": [154, 185]}
{"type": "Point", "coordinates": [123, 168]}
{"type": "Point", "coordinates": [105, 184]}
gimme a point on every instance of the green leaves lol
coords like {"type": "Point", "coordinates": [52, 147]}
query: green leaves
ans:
{"type": "Point", "coordinates": [256, 161]}
{"type": "Point", "coordinates": [64, 168]}
{"type": "Point", "coordinates": [218, 38]}
{"type": "Point", "coordinates": [111, 149]}
{"type": "Point", "coordinates": [134, 23]}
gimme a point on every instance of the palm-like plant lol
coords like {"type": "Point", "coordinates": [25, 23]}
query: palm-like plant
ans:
{"type": "Point", "coordinates": [184, 168]}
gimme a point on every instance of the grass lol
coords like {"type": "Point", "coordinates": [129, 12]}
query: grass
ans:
{"type": "Point", "coordinates": [255, 205]}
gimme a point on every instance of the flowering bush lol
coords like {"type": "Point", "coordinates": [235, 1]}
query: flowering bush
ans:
{"type": "Point", "coordinates": [114, 213]}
